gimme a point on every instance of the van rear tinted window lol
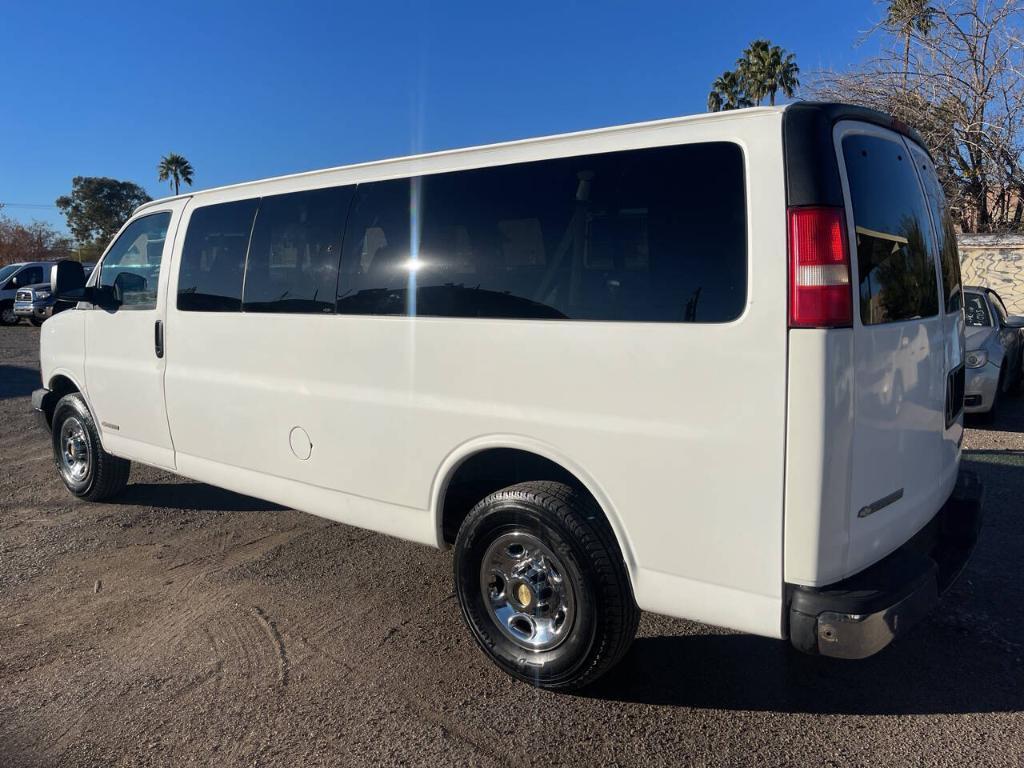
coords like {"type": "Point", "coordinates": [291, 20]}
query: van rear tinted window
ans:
{"type": "Point", "coordinates": [656, 235]}
{"type": "Point", "coordinates": [895, 261]}
{"type": "Point", "coordinates": [945, 232]}
{"type": "Point", "coordinates": [213, 257]}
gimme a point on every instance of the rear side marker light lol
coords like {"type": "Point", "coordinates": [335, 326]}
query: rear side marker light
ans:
{"type": "Point", "coordinates": [819, 269]}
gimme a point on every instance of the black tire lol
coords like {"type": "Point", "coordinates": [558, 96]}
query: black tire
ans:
{"type": "Point", "coordinates": [7, 316]}
{"type": "Point", "coordinates": [104, 475]}
{"type": "Point", "coordinates": [571, 527]}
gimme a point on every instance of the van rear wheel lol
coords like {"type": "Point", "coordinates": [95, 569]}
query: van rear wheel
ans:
{"type": "Point", "coordinates": [7, 316]}
{"type": "Point", "coordinates": [87, 470]}
{"type": "Point", "coordinates": [543, 587]}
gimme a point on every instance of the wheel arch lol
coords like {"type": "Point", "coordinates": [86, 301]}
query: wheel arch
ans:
{"type": "Point", "coordinates": [499, 446]}
{"type": "Point", "coordinates": [61, 383]}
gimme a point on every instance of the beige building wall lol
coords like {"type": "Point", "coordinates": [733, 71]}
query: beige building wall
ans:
{"type": "Point", "coordinates": [995, 261]}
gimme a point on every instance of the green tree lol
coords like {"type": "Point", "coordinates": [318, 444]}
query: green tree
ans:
{"type": "Point", "coordinates": [783, 73]}
{"type": "Point", "coordinates": [766, 69]}
{"type": "Point", "coordinates": [906, 18]}
{"type": "Point", "coordinates": [176, 169]}
{"type": "Point", "coordinates": [752, 68]}
{"type": "Point", "coordinates": [98, 206]}
{"type": "Point", "coordinates": [727, 93]}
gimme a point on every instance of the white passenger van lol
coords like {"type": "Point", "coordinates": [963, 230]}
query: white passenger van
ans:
{"type": "Point", "coordinates": [710, 367]}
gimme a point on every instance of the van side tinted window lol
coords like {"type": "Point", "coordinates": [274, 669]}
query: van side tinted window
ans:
{"type": "Point", "coordinates": [895, 262]}
{"type": "Point", "coordinates": [654, 235]}
{"type": "Point", "coordinates": [213, 257]}
{"type": "Point", "coordinates": [295, 252]}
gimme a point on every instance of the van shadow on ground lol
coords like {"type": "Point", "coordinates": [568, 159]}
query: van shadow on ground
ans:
{"type": "Point", "coordinates": [968, 656]}
{"type": "Point", "coordinates": [196, 497]}
{"type": "Point", "coordinates": [16, 381]}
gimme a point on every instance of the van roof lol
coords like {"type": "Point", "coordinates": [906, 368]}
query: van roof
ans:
{"type": "Point", "coordinates": [706, 117]}
{"type": "Point", "coordinates": [826, 110]}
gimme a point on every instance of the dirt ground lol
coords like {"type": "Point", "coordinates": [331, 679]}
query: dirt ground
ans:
{"type": "Point", "coordinates": [185, 625]}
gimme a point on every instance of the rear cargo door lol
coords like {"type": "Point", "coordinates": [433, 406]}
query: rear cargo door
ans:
{"type": "Point", "coordinates": [900, 360]}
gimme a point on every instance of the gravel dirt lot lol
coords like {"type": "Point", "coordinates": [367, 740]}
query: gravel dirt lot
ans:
{"type": "Point", "coordinates": [185, 625]}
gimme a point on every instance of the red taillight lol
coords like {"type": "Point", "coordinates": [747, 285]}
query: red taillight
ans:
{"type": "Point", "coordinates": [819, 269]}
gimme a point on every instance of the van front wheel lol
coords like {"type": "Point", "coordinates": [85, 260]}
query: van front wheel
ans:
{"type": "Point", "coordinates": [542, 585]}
{"type": "Point", "coordinates": [87, 470]}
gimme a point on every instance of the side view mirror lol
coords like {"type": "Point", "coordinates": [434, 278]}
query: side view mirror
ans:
{"type": "Point", "coordinates": [67, 281]}
{"type": "Point", "coordinates": [1015, 321]}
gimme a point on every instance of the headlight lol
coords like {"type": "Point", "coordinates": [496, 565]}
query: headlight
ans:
{"type": "Point", "coordinates": [42, 294]}
{"type": "Point", "coordinates": [977, 358]}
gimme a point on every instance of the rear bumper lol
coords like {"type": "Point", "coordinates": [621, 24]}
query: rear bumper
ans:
{"type": "Point", "coordinates": [859, 616]}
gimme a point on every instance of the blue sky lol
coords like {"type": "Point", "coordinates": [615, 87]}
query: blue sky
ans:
{"type": "Point", "coordinates": [256, 89]}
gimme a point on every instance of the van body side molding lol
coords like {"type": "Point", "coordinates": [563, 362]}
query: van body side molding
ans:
{"type": "Point", "coordinates": [882, 503]}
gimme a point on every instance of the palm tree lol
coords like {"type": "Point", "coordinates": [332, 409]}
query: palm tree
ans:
{"type": "Point", "coordinates": [176, 169]}
{"type": "Point", "coordinates": [906, 18]}
{"type": "Point", "coordinates": [753, 68]}
{"type": "Point", "coordinates": [782, 71]}
{"type": "Point", "coordinates": [767, 69]}
{"type": "Point", "coordinates": [727, 93]}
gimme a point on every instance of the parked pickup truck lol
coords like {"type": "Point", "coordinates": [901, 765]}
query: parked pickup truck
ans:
{"type": "Point", "coordinates": [37, 302]}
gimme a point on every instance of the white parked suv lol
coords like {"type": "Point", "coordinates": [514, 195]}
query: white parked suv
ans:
{"type": "Point", "coordinates": [710, 367]}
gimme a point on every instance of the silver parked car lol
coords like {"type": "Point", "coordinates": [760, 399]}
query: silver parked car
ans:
{"type": "Point", "coordinates": [995, 350]}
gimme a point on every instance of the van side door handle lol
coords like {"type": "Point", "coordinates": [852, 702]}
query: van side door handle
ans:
{"type": "Point", "coordinates": [158, 338]}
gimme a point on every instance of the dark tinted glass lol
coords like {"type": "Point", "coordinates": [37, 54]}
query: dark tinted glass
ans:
{"type": "Point", "coordinates": [949, 254]}
{"type": "Point", "coordinates": [997, 305]}
{"type": "Point", "coordinates": [295, 252]}
{"type": "Point", "coordinates": [213, 258]}
{"type": "Point", "coordinates": [976, 311]}
{"type": "Point", "coordinates": [645, 235]}
{"type": "Point", "coordinates": [895, 263]}
{"type": "Point", "coordinates": [30, 276]}
{"type": "Point", "coordinates": [131, 268]}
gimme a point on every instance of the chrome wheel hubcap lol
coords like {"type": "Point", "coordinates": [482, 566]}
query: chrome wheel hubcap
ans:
{"type": "Point", "coordinates": [75, 452]}
{"type": "Point", "coordinates": [528, 591]}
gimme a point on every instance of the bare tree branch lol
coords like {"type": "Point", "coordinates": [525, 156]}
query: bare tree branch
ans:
{"type": "Point", "coordinates": [958, 79]}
